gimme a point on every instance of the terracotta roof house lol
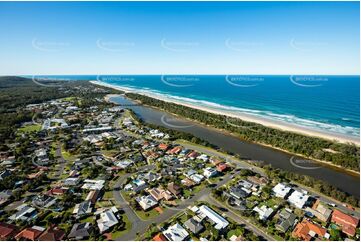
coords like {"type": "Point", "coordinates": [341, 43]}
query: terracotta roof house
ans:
{"type": "Point", "coordinates": [8, 231]}
{"type": "Point", "coordinates": [163, 146]}
{"type": "Point", "coordinates": [52, 234]}
{"type": "Point", "coordinates": [221, 167]}
{"type": "Point", "coordinates": [347, 222]}
{"type": "Point", "coordinates": [174, 189]}
{"type": "Point", "coordinates": [30, 233]}
{"type": "Point", "coordinates": [175, 150]}
{"type": "Point", "coordinates": [306, 230]}
{"type": "Point", "coordinates": [56, 191]}
{"type": "Point", "coordinates": [159, 237]}
{"type": "Point", "coordinates": [193, 155]}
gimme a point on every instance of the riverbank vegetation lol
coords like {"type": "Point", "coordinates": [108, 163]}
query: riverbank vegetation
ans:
{"type": "Point", "coordinates": [344, 155]}
{"type": "Point", "coordinates": [316, 184]}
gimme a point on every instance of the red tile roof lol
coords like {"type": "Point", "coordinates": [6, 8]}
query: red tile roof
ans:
{"type": "Point", "coordinates": [163, 146]}
{"type": "Point", "coordinates": [52, 234]}
{"type": "Point", "coordinates": [28, 234]}
{"type": "Point", "coordinates": [303, 229]}
{"type": "Point", "coordinates": [159, 237]}
{"type": "Point", "coordinates": [7, 231]}
{"type": "Point", "coordinates": [222, 167]}
{"type": "Point", "coordinates": [347, 222]}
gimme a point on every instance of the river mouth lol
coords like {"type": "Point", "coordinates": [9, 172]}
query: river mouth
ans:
{"type": "Point", "coordinates": [340, 179]}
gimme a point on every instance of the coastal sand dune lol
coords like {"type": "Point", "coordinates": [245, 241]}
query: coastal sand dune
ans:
{"type": "Point", "coordinates": [263, 121]}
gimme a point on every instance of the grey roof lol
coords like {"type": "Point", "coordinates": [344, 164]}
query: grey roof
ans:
{"type": "Point", "coordinates": [193, 226]}
{"type": "Point", "coordinates": [285, 221]}
{"type": "Point", "coordinates": [80, 231]}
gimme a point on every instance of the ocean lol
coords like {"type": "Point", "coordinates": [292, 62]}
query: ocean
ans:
{"type": "Point", "coordinates": [323, 103]}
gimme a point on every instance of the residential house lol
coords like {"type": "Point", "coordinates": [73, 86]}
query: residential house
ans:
{"type": "Point", "coordinates": [163, 147]}
{"type": "Point", "coordinates": [194, 226]}
{"type": "Point", "coordinates": [174, 189]}
{"type": "Point", "coordinates": [285, 221]}
{"type": "Point", "coordinates": [160, 193]}
{"type": "Point", "coordinates": [347, 222]}
{"type": "Point", "coordinates": [72, 181]}
{"type": "Point", "coordinates": [176, 233]}
{"type": "Point", "coordinates": [299, 199]}
{"type": "Point", "coordinates": [93, 184]}
{"type": "Point", "coordinates": [192, 155]}
{"type": "Point", "coordinates": [239, 192]}
{"type": "Point", "coordinates": [83, 208]}
{"type": "Point", "coordinates": [136, 185]}
{"type": "Point", "coordinates": [219, 221]}
{"type": "Point", "coordinates": [159, 237]}
{"type": "Point", "coordinates": [320, 211]}
{"type": "Point", "coordinates": [44, 201]}
{"type": "Point", "coordinates": [222, 167]}
{"type": "Point", "coordinates": [209, 172]}
{"type": "Point", "coordinates": [93, 196]}
{"type": "Point", "coordinates": [107, 220]}
{"type": "Point", "coordinates": [260, 181]}
{"type": "Point", "coordinates": [24, 213]}
{"type": "Point", "coordinates": [174, 151]}
{"type": "Point", "coordinates": [52, 234]}
{"type": "Point", "coordinates": [32, 233]}
{"type": "Point", "coordinates": [8, 231]}
{"type": "Point", "coordinates": [264, 212]}
{"type": "Point", "coordinates": [80, 231]}
{"type": "Point", "coordinates": [146, 202]}
{"type": "Point", "coordinates": [281, 190]}
{"type": "Point", "coordinates": [197, 178]}
{"type": "Point", "coordinates": [56, 191]}
{"type": "Point", "coordinates": [307, 230]}
{"type": "Point", "coordinates": [188, 182]}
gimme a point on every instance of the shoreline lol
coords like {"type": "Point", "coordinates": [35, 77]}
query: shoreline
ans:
{"type": "Point", "coordinates": [322, 162]}
{"type": "Point", "coordinates": [280, 125]}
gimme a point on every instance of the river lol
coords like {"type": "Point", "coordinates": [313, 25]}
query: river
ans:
{"type": "Point", "coordinates": [344, 181]}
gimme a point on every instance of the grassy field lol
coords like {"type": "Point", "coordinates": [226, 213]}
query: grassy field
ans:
{"type": "Point", "coordinates": [30, 128]}
{"type": "Point", "coordinates": [68, 156]}
{"type": "Point", "coordinates": [119, 233]}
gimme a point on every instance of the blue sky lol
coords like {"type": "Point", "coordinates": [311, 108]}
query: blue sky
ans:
{"type": "Point", "coordinates": [179, 38]}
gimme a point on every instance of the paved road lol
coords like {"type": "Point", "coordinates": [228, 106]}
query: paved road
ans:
{"type": "Point", "coordinates": [239, 163]}
{"type": "Point", "coordinates": [234, 216]}
{"type": "Point", "coordinates": [140, 226]}
{"type": "Point", "coordinates": [246, 165]}
{"type": "Point", "coordinates": [61, 160]}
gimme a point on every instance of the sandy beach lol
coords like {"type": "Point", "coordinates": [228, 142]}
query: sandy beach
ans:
{"type": "Point", "coordinates": [263, 121]}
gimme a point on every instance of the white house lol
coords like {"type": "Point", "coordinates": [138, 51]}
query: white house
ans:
{"type": "Point", "coordinates": [107, 220]}
{"type": "Point", "coordinates": [93, 184]}
{"type": "Point", "coordinates": [146, 202]}
{"type": "Point", "coordinates": [264, 212]}
{"type": "Point", "coordinates": [220, 222]}
{"type": "Point", "coordinates": [281, 190]}
{"type": "Point", "coordinates": [209, 172]}
{"type": "Point", "coordinates": [197, 178]}
{"type": "Point", "coordinates": [176, 233]}
{"type": "Point", "coordinates": [298, 199]}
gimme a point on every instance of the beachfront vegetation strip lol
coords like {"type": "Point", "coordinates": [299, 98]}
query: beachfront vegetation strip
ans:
{"type": "Point", "coordinates": [344, 155]}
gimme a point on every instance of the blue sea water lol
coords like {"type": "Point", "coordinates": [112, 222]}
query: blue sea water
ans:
{"type": "Point", "coordinates": [325, 103]}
